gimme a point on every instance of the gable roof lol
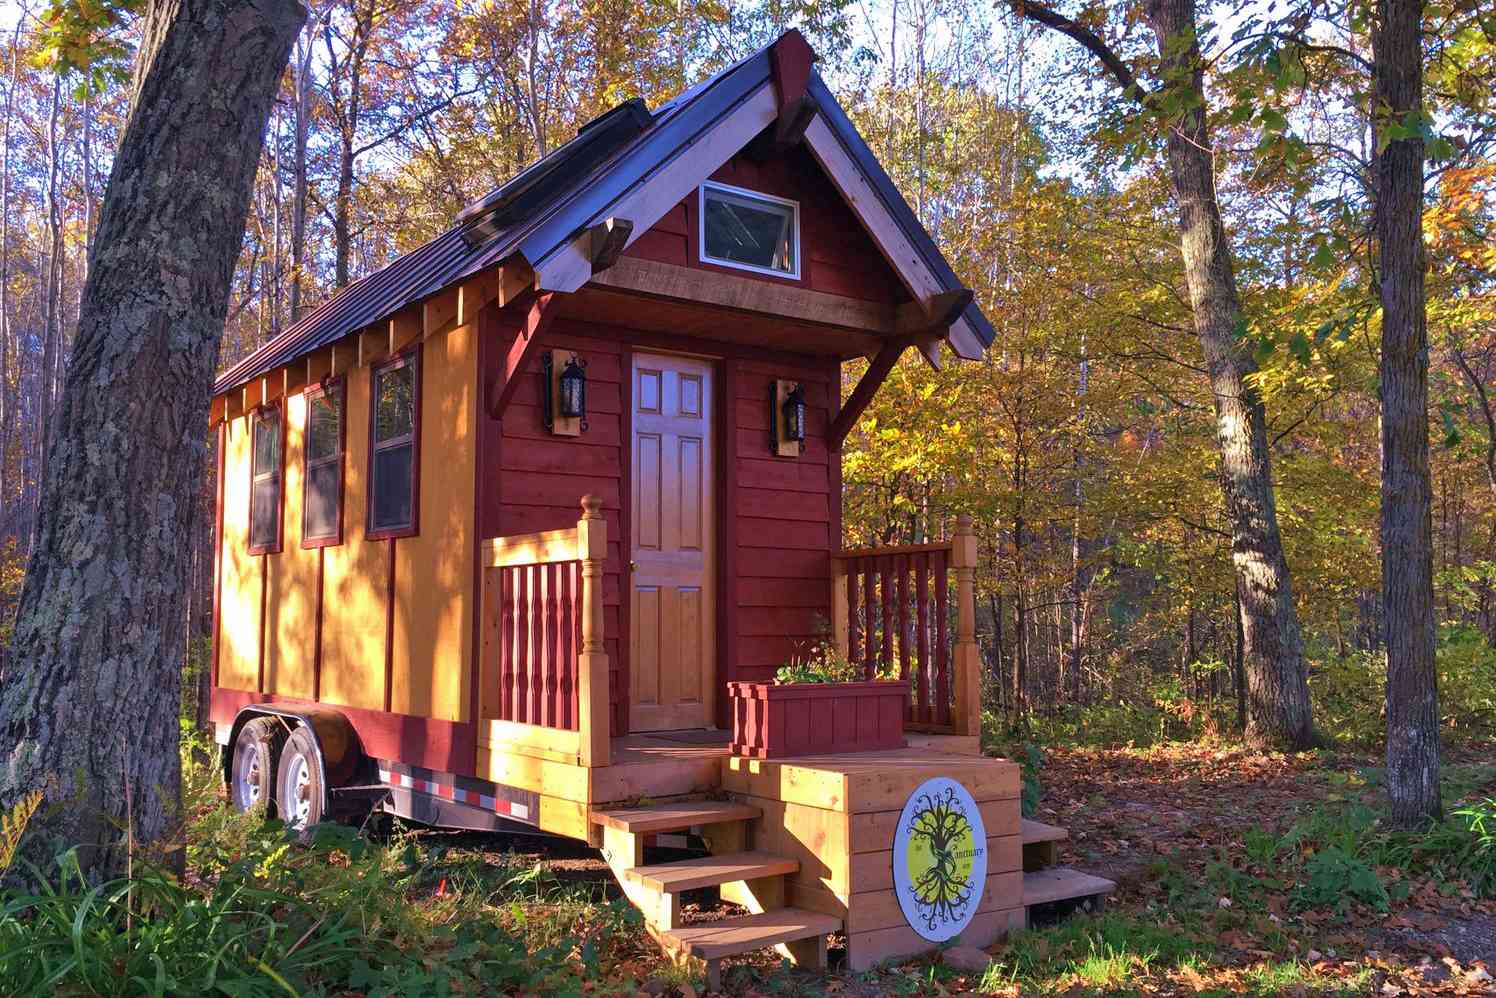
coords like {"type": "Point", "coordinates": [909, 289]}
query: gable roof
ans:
{"type": "Point", "coordinates": [634, 164]}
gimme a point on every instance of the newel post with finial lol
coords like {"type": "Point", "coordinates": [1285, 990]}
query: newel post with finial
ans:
{"type": "Point", "coordinates": [592, 663]}
{"type": "Point", "coordinates": [968, 712]}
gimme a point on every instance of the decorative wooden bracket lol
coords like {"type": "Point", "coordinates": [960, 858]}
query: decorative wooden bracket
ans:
{"type": "Point", "coordinates": [929, 319]}
{"type": "Point", "coordinates": [790, 60]}
{"type": "Point", "coordinates": [787, 131]}
{"type": "Point", "coordinates": [867, 387]}
{"type": "Point", "coordinates": [538, 315]}
{"type": "Point", "coordinates": [609, 237]}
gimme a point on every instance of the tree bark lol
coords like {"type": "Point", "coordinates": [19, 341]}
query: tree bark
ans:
{"type": "Point", "coordinates": [89, 699]}
{"type": "Point", "coordinates": [1407, 541]}
{"type": "Point", "coordinates": [1278, 711]}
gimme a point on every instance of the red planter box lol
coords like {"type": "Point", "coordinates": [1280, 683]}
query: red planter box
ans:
{"type": "Point", "coordinates": [772, 722]}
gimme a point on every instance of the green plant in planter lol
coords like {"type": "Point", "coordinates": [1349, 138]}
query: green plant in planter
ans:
{"type": "Point", "coordinates": [823, 662]}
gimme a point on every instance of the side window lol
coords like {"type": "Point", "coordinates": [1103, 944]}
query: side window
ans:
{"type": "Point", "coordinates": [393, 471]}
{"type": "Point", "coordinates": [265, 482]}
{"type": "Point", "coordinates": [322, 501]}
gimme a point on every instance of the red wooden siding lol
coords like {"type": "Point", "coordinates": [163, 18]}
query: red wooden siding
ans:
{"type": "Point", "coordinates": [535, 480]}
{"type": "Point", "coordinates": [836, 256]}
{"type": "Point", "coordinates": [778, 517]}
{"type": "Point", "coordinates": [783, 514]}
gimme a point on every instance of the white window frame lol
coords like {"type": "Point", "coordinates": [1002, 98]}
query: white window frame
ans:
{"type": "Point", "coordinates": [743, 192]}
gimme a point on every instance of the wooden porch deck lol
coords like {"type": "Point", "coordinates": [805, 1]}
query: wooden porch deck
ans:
{"type": "Point", "coordinates": [663, 765]}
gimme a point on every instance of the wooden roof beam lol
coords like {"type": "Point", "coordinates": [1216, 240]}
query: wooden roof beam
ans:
{"type": "Point", "coordinates": [609, 238]}
{"type": "Point", "coordinates": [537, 318]}
{"type": "Point", "coordinates": [929, 320]}
{"type": "Point", "coordinates": [496, 284]}
{"type": "Point", "coordinates": [705, 287]}
{"type": "Point", "coordinates": [877, 372]}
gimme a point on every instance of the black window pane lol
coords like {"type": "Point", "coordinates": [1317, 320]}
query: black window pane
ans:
{"type": "Point", "coordinates": [760, 235]}
{"type": "Point", "coordinates": [267, 443]}
{"type": "Point", "coordinates": [322, 500]}
{"type": "Point", "coordinates": [392, 487]}
{"type": "Point", "coordinates": [266, 506]}
{"type": "Point", "coordinates": [324, 428]}
{"type": "Point", "coordinates": [395, 412]}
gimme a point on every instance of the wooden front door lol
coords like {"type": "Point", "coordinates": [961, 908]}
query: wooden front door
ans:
{"type": "Point", "coordinates": [672, 660]}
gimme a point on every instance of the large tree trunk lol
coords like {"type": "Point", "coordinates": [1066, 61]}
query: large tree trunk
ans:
{"type": "Point", "coordinates": [89, 699]}
{"type": "Point", "coordinates": [1278, 712]}
{"type": "Point", "coordinates": [1407, 543]}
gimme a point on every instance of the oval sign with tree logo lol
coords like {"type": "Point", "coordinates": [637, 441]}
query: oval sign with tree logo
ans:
{"type": "Point", "coordinates": [939, 859]}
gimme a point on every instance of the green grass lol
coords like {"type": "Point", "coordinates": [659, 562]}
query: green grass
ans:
{"type": "Point", "coordinates": [262, 915]}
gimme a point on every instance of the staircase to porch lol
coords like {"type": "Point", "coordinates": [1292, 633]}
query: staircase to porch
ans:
{"type": "Point", "coordinates": [755, 878]}
{"type": "Point", "coordinates": [752, 878]}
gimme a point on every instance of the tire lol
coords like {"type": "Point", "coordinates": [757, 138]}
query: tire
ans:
{"type": "Point", "coordinates": [257, 753]}
{"type": "Point", "coordinates": [298, 783]}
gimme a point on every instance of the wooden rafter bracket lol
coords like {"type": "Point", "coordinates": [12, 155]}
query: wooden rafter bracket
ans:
{"type": "Point", "coordinates": [877, 372]}
{"type": "Point", "coordinates": [608, 238]}
{"type": "Point", "coordinates": [929, 320]}
{"type": "Point", "coordinates": [787, 131]}
{"type": "Point", "coordinates": [538, 311]}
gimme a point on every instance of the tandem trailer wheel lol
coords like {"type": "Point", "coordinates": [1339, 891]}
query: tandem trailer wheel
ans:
{"type": "Point", "coordinates": [257, 754]}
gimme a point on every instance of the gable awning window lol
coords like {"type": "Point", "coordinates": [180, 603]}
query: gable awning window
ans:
{"type": "Point", "coordinates": [750, 231]}
{"type": "Point", "coordinates": [265, 482]}
{"type": "Point", "coordinates": [322, 499]}
{"type": "Point", "coordinates": [394, 459]}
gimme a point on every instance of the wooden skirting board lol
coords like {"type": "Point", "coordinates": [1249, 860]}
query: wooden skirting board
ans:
{"type": "Point", "coordinates": [836, 815]}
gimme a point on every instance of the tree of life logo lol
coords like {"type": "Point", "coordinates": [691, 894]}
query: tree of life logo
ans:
{"type": "Point", "coordinates": [939, 859]}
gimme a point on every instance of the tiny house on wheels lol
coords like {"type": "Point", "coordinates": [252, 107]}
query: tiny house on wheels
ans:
{"type": "Point", "coordinates": [515, 532]}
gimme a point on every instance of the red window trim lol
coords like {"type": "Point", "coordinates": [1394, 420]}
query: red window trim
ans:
{"type": "Point", "coordinates": [327, 387]}
{"type": "Point", "coordinates": [258, 414]}
{"type": "Point", "coordinates": [409, 357]}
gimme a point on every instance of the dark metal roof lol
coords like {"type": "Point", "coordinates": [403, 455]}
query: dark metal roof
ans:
{"type": "Point", "coordinates": [549, 202]}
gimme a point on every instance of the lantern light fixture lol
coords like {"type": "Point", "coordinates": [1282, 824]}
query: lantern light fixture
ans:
{"type": "Point", "coordinates": [573, 383]}
{"type": "Point", "coordinates": [564, 402]}
{"type": "Point", "coordinates": [794, 415]}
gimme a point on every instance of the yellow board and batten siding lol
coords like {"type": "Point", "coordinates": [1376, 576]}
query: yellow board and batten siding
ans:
{"type": "Point", "coordinates": [432, 606]}
{"type": "Point", "coordinates": [239, 600]}
{"type": "Point", "coordinates": [291, 593]}
{"type": "Point", "coordinates": [355, 579]}
{"type": "Point", "coordinates": [434, 599]}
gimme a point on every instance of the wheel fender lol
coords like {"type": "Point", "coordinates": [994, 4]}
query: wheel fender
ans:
{"type": "Point", "coordinates": [340, 753]}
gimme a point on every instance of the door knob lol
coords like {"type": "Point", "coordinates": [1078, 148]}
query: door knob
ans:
{"type": "Point", "coordinates": [633, 566]}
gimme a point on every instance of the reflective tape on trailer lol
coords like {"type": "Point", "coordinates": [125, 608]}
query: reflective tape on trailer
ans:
{"type": "Point", "coordinates": [427, 782]}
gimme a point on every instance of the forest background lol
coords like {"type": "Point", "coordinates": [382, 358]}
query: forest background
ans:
{"type": "Point", "coordinates": [1084, 446]}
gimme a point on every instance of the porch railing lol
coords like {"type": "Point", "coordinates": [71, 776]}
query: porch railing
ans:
{"type": "Point", "coordinates": [543, 672]}
{"type": "Point", "coordinates": [892, 611]}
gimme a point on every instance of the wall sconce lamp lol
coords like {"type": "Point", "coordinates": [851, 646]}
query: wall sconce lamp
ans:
{"type": "Point", "coordinates": [564, 406]}
{"type": "Point", "coordinates": [787, 417]}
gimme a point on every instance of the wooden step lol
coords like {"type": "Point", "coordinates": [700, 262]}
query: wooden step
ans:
{"type": "Point", "coordinates": [746, 933]}
{"type": "Point", "coordinates": [710, 871]}
{"type": "Point", "coordinates": [674, 817]}
{"type": "Point", "coordinates": [1041, 844]}
{"type": "Point", "coordinates": [1062, 884]}
{"type": "Point", "coordinates": [1038, 831]}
